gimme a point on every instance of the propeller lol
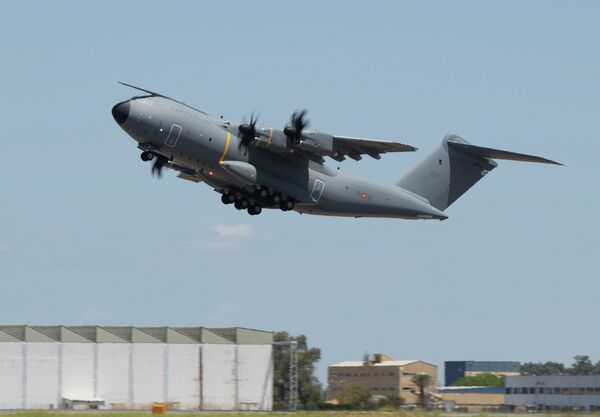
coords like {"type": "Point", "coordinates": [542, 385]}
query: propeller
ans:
{"type": "Point", "coordinates": [158, 165]}
{"type": "Point", "coordinates": [298, 122]}
{"type": "Point", "coordinates": [248, 131]}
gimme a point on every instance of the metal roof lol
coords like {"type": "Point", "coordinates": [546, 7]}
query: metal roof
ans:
{"type": "Point", "coordinates": [133, 334]}
{"type": "Point", "coordinates": [385, 363]}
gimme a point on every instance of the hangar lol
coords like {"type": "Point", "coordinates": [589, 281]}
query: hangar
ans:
{"type": "Point", "coordinates": [125, 367]}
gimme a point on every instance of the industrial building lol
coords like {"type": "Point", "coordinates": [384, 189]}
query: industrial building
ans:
{"type": "Point", "coordinates": [454, 370]}
{"type": "Point", "coordinates": [554, 392]}
{"type": "Point", "coordinates": [116, 367]}
{"type": "Point", "coordinates": [381, 375]}
{"type": "Point", "coordinates": [471, 399]}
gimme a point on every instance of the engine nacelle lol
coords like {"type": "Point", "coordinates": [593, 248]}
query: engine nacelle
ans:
{"type": "Point", "coordinates": [274, 140]}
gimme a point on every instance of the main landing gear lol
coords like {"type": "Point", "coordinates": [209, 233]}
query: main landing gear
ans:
{"type": "Point", "coordinates": [241, 204]}
{"type": "Point", "coordinates": [147, 156]}
{"type": "Point", "coordinates": [254, 210]}
{"type": "Point", "coordinates": [227, 198]}
{"type": "Point", "coordinates": [286, 205]}
{"type": "Point", "coordinates": [254, 204]}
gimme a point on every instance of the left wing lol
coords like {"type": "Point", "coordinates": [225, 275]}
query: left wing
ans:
{"type": "Point", "coordinates": [356, 147]}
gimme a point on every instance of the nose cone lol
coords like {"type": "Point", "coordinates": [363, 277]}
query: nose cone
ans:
{"type": "Point", "coordinates": [121, 112]}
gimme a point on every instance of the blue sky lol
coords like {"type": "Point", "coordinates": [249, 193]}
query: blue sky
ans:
{"type": "Point", "coordinates": [88, 236]}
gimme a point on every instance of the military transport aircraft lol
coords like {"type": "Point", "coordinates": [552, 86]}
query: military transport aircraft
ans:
{"type": "Point", "coordinates": [255, 167]}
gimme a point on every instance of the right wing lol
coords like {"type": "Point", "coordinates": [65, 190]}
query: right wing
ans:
{"type": "Point", "coordinates": [355, 147]}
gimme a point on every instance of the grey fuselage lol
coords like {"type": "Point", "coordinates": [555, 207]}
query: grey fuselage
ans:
{"type": "Point", "coordinates": [203, 143]}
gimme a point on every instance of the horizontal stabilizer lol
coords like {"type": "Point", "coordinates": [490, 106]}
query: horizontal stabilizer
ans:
{"type": "Point", "coordinates": [497, 153]}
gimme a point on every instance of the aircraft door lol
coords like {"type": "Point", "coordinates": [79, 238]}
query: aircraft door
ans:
{"type": "Point", "coordinates": [317, 190]}
{"type": "Point", "coordinates": [173, 136]}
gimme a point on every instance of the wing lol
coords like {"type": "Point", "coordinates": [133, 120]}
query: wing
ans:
{"type": "Point", "coordinates": [356, 147]}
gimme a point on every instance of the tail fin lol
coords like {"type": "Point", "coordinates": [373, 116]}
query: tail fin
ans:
{"type": "Point", "coordinates": [453, 168]}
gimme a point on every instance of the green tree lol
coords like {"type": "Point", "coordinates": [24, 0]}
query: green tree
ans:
{"type": "Point", "coordinates": [309, 387]}
{"type": "Point", "coordinates": [582, 366]}
{"type": "Point", "coordinates": [539, 368]}
{"type": "Point", "coordinates": [422, 381]}
{"type": "Point", "coordinates": [355, 396]}
{"type": "Point", "coordinates": [391, 401]}
{"type": "Point", "coordinates": [481, 380]}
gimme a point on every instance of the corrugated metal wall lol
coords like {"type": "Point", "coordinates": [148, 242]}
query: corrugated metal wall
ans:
{"type": "Point", "coordinates": [221, 376]}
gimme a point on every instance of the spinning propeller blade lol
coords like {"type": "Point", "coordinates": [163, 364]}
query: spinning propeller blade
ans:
{"type": "Point", "coordinates": [298, 122]}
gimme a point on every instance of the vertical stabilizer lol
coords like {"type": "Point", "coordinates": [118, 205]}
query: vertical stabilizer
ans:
{"type": "Point", "coordinates": [454, 167]}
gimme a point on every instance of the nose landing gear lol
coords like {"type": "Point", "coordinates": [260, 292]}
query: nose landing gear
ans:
{"type": "Point", "coordinates": [147, 156]}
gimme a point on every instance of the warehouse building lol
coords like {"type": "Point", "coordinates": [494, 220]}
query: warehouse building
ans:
{"type": "Point", "coordinates": [116, 367]}
{"type": "Point", "coordinates": [471, 399]}
{"type": "Point", "coordinates": [454, 370]}
{"type": "Point", "coordinates": [381, 375]}
{"type": "Point", "coordinates": [554, 392]}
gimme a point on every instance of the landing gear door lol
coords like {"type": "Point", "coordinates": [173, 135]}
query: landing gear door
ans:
{"type": "Point", "coordinates": [317, 190]}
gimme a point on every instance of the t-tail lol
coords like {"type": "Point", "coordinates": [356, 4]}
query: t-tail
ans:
{"type": "Point", "coordinates": [453, 168]}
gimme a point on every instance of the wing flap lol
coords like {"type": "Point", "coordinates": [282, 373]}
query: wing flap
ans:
{"type": "Point", "coordinates": [355, 147]}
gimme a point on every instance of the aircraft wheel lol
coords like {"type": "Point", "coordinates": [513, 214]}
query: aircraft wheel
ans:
{"type": "Point", "coordinates": [254, 210]}
{"type": "Point", "coordinates": [263, 193]}
{"type": "Point", "coordinates": [147, 156]}
{"type": "Point", "coordinates": [241, 204]}
{"type": "Point", "coordinates": [227, 198]}
{"type": "Point", "coordinates": [276, 198]}
{"type": "Point", "coordinates": [286, 205]}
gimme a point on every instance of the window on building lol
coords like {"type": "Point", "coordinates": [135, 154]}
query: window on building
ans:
{"type": "Point", "coordinates": [556, 390]}
{"type": "Point", "coordinates": [589, 391]}
{"type": "Point", "coordinates": [597, 389]}
{"type": "Point", "coordinates": [564, 391]}
{"type": "Point", "coordinates": [509, 390]}
{"type": "Point", "coordinates": [548, 390]}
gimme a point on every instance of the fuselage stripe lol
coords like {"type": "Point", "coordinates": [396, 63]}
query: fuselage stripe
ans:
{"type": "Point", "coordinates": [226, 148]}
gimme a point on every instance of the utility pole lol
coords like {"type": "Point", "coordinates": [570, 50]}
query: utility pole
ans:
{"type": "Point", "coordinates": [293, 383]}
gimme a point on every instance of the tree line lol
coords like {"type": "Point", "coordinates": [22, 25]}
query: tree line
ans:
{"type": "Point", "coordinates": [582, 365]}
